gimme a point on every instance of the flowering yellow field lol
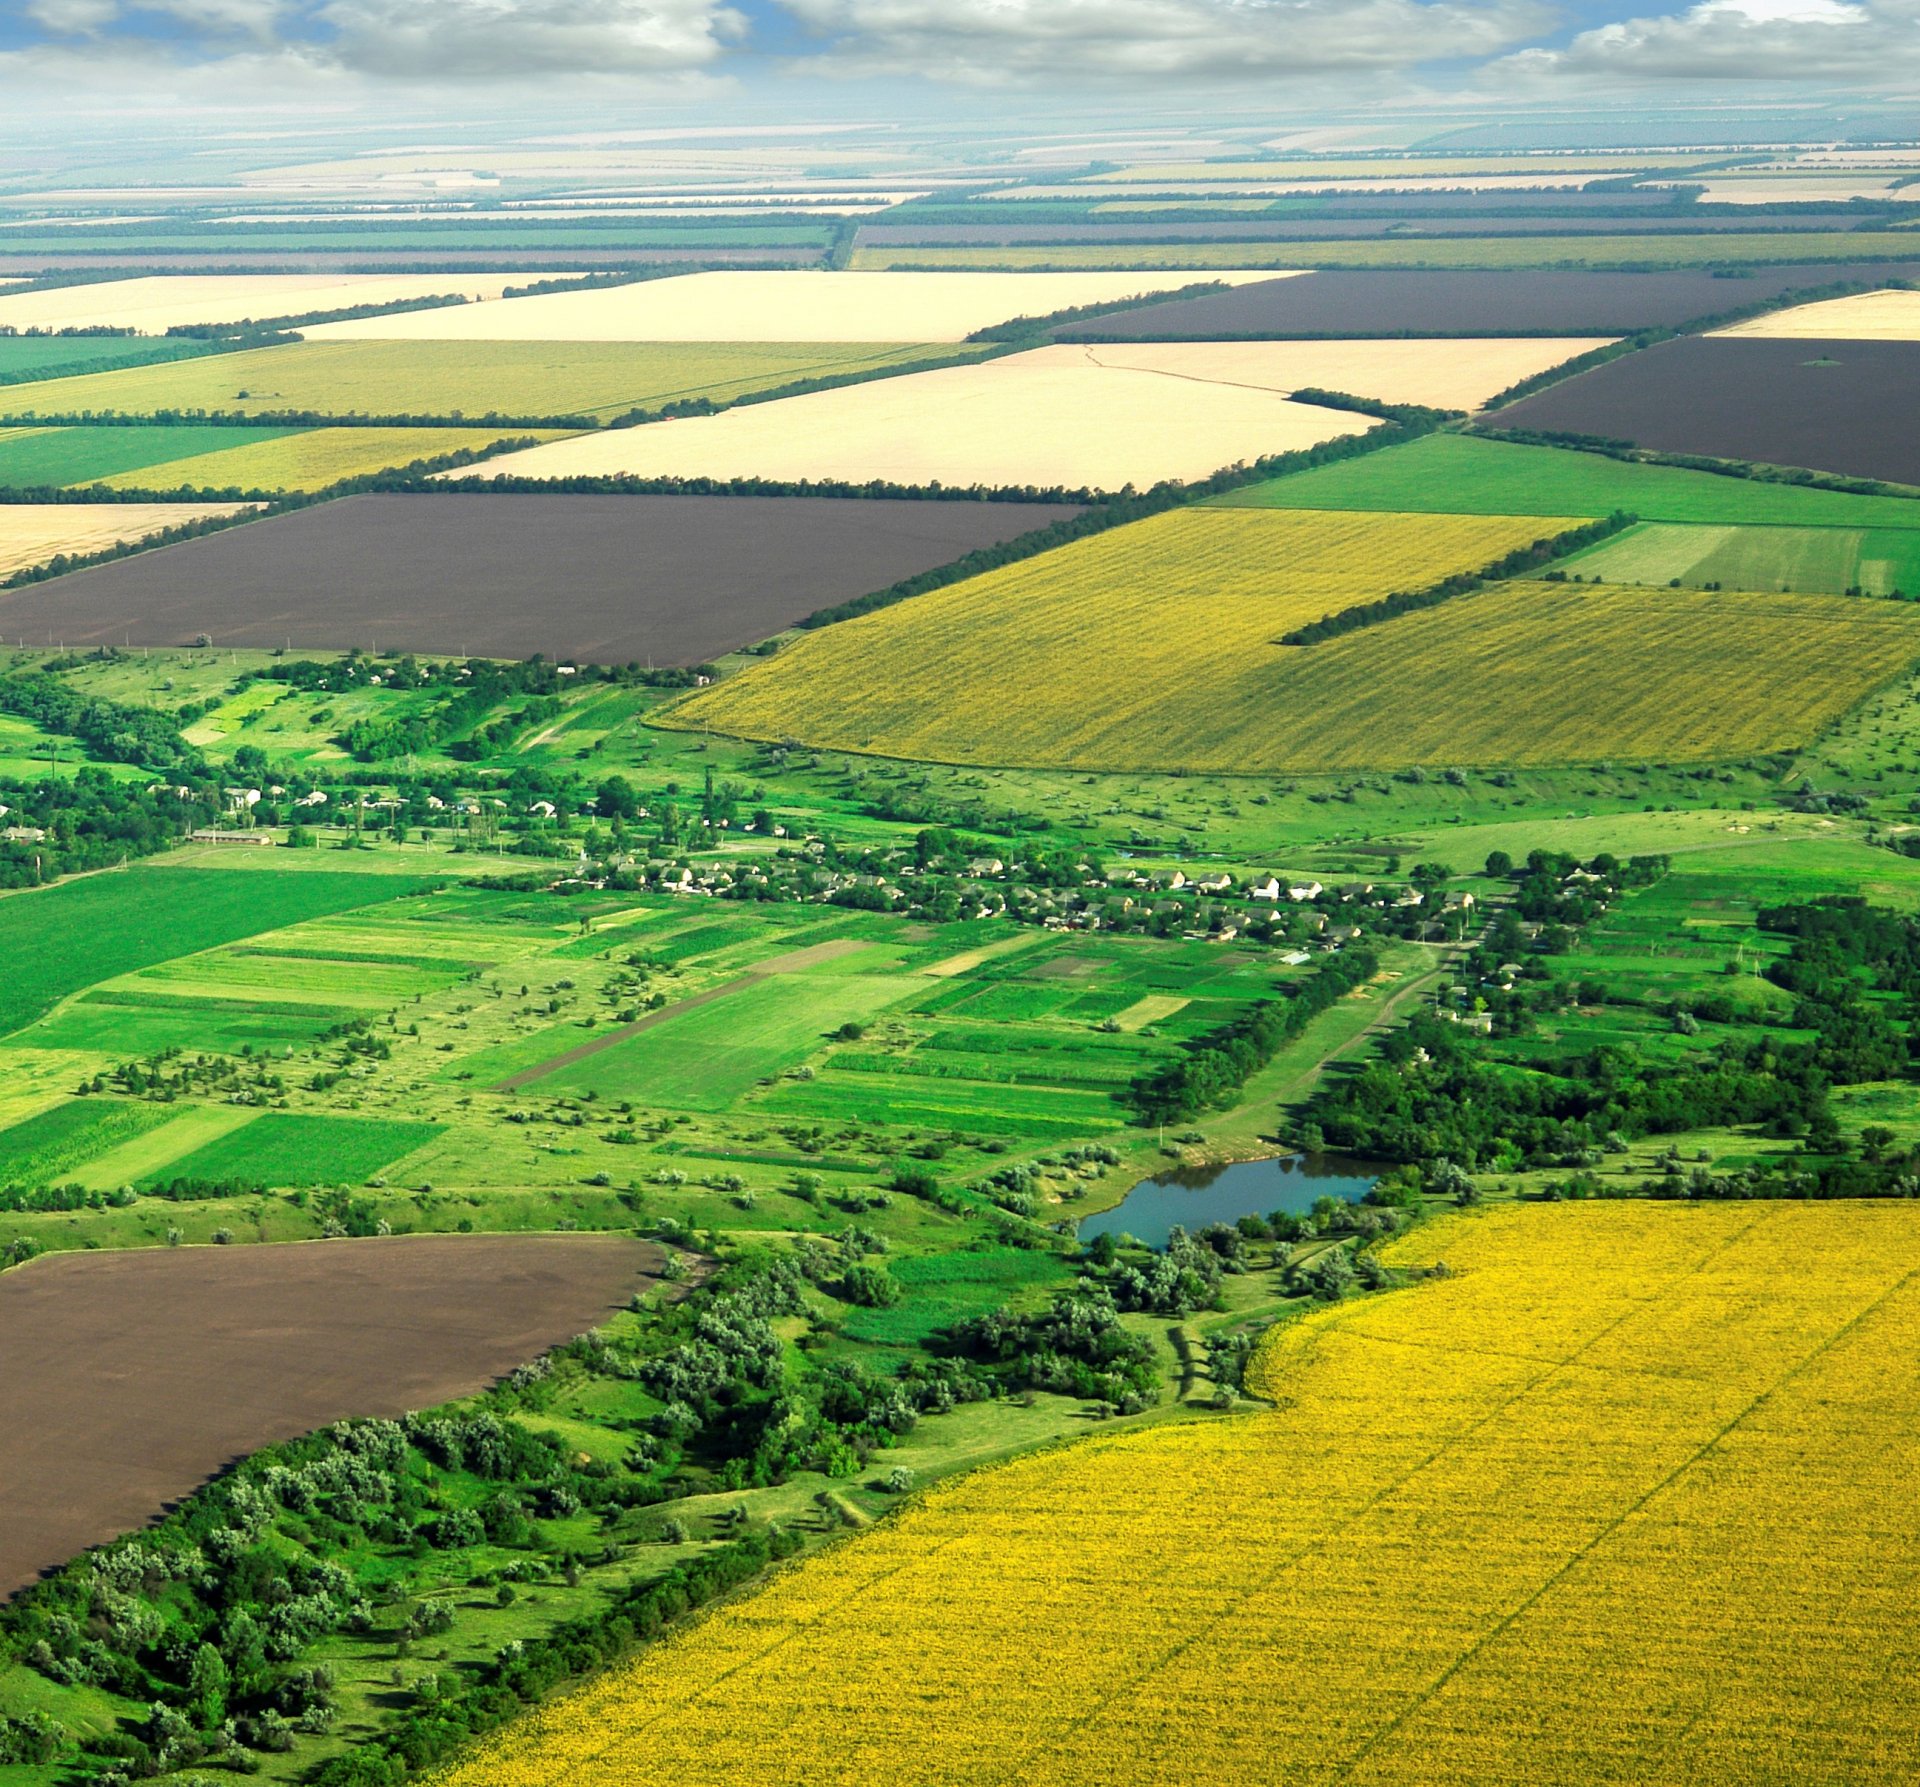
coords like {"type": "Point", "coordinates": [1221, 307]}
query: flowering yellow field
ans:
{"type": "Point", "coordinates": [1155, 647]}
{"type": "Point", "coordinates": [1625, 1498]}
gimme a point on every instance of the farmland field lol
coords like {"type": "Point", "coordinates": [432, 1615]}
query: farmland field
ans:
{"type": "Point", "coordinates": [680, 578]}
{"type": "Point", "coordinates": [24, 358]}
{"type": "Point", "coordinates": [784, 306]}
{"type": "Point", "coordinates": [455, 379]}
{"type": "Point", "coordinates": [280, 1149]}
{"type": "Point", "coordinates": [1868, 316]}
{"type": "Point", "coordinates": [1465, 253]}
{"type": "Point", "coordinates": [224, 1350]}
{"type": "Point", "coordinates": [1062, 659]}
{"type": "Point", "coordinates": [1049, 419]}
{"type": "Point", "coordinates": [1602, 1410]}
{"type": "Point", "coordinates": [33, 533]}
{"type": "Point", "coordinates": [64, 938]}
{"type": "Point", "coordinates": [152, 306]}
{"type": "Point", "coordinates": [1389, 303]}
{"type": "Point", "coordinates": [308, 459]}
{"type": "Point", "coordinates": [36, 458]}
{"type": "Point", "coordinates": [1833, 406]}
{"type": "Point", "coordinates": [1479, 474]}
{"type": "Point", "coordinates": [1518, 674]}
{"type": "Point", "coordinates": [1878, 561]}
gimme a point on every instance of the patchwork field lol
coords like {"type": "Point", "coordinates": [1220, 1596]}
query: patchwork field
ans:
{"type": "Point", "coordinates": [1051, 419]}
{"type": "Point", "coordinates": [154, 305]}
{"type": "Point", "coordinates": [680, 579]}
{"type": "Point", "coordinates": [25, 358]}
{"type": "Point", "coordinates": [311, 459]}
{"type": "Point", "coordinates": [48, 458]}
{"type": "Point", "coordinates": [222, 1350]}
{"type": "Point", "coordinates": [1618, 1444]}
{"type": "Point", "coordinates": [1834, 560]}
{"type": "Point", "coordinates": [456, 379]}
{"type": "Point", "coordinates": [1064, 661]}
{"type": "Point", "coordinates": [36, 533]}
{"type": "Point", "coordinates": [1832, 406]}
{"type": "Point", "coordinates": [1447, 474]}
{"type": "Point", "coordinates": [784, 306]}
{"type": "Point", "coordinates": [1396, 302]}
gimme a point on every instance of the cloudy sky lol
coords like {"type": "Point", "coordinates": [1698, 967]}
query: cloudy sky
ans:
{"type": "Point", "coordinates": [1292, 47]}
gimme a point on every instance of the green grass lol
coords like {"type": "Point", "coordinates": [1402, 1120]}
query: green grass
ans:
{"type": "Point", "coordinates": [942, 1289]}
{"type": "Point", "coordinates": [452, 379]}
{"type": "Point", "coordinates": [1818, 560]}
{"type": "Point", "coordinates": [709, 1056]}
{"type": "Point", "coordinates": [286, 1149]}
{"type": "Point", "coordinates": [1460, 474]}
{"type": "Point", "coordinates": [50, 1146]}
{"type": "Point", "coordinates": [62, 939]}
{"type": "Point", "coordinates": [34, 458]}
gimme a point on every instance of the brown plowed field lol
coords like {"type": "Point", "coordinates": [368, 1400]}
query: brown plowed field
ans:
{"type": "Point", "coordinates": [1420, 301]}
{"type": "Point", "coordinates": [1830, 406]}
{"type": "Point", "coordinates": [130, 1378]}
{"type": "Point", "coordinates": [598, 579]}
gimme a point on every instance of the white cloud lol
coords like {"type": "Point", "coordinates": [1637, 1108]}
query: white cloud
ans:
{"type": "Point", "coordinates": [1858, 42]}
{"type": "Point", "coordinates": [73, 18]}
{"type": "Point", "coordinates": [525, 39]}
{"type": "Point", "coordinates": [1059, 42]}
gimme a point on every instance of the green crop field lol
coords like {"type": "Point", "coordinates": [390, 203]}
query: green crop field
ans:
{"type": "Point", "coordinates": [62, 939]}
{"type": "Point", "coordinates": [131, 458]}
{"type": "Point", "coordinates": [285, 1149]}
{"type": "Point", "coordinates": [1880, 561]}
{"type": "Point", "coordinates": [942, 1289]}
{"type": "Point", "coordinates": [1463, 474]}
{"type": "Point", "coordinates": [452, 379]}
{"type": "Point", "coordinates": [58, 1141]}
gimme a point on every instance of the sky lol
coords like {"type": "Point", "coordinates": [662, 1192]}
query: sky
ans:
{"type": "Point", "coordinates": [1288, 51]}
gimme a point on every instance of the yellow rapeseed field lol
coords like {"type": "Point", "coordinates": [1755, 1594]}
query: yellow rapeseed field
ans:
{"type": "Point", "coordinates": [1154, 647]}
{"type": "Point", "coordinates": [1625, 1497]}
{"type": "Point", "coordinates": [314, 459]}
{"type": "Point", "coordinates": [33, 533]}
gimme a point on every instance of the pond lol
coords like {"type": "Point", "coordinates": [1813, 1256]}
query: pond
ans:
{"type": "Point", "coordinates": [1193, 1197]}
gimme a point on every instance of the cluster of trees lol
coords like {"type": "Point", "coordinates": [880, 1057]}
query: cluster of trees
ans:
{"type": "Point", "coordinates": [93, 821]}
{"type": "Point", "coordinates": [109, 729]}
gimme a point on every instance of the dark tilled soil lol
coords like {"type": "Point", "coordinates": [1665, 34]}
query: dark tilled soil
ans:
{"type": "Point", "coordinates": [130, 1378]}
{"type": "Point", "coordinates": [1412, 301]}
{"type": "Point", "coordinates": [1830, 406]}
{"type": "Point", "coordinates": [595, 579]}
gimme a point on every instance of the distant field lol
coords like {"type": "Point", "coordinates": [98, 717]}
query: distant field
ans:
{"type": "Point", "coordinates": [1387, 302]}
{"type": "Point", "coordinates": [1480, 475]}
{"type": "Point", "coordinates": [1158, 652]}
{"type": "Point", "coordinates": [310, 459]}
{"type": "Point", "coordinates": [1420, 251]}
{"type": "Point", "coordinates": [1147, 647]}
{"type": "Point", "coordinates": [169, 301]}
{"type": "Point", "coordinates": [34, 533]}
{"type": "Point", "coordinates": [222, 1350]}
{"type": "Point", "coordinates": [786, 306]}
{"type": "Point", "coordinates": [40, 356]}
{"type": "Point", "coordinates": [36, 458]}
{"type": "Point", "coordinates": [1868, 316]}
{"type": "Point", "coordinates": [53, 1145]}
{"type": "Point", "coordinates": [678, 579]}
{"type": "Point", "coordinates": [1572, 166]}
{"type": "Point", "coordinates": [1052, 418]}
{"type": "Point", "coordinates": [1613, 1501]}
{"type": "Point", "coordinates": [1879, 561]}
{"type": "Point", "coordinates": [455, 379]}
{"type": "Point", "coordinates": [1832, 406]}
